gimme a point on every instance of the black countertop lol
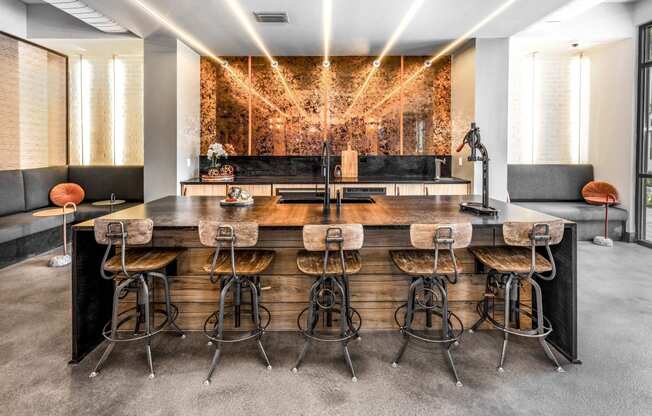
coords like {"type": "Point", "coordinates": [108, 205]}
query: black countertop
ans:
{"type": "Point", "coordinates": [252, 180]}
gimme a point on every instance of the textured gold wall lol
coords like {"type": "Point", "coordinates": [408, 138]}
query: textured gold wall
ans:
{"type": "Point", "coordinates": [414, 121]}
{"type": "Point", "coordinates": [32, 106]}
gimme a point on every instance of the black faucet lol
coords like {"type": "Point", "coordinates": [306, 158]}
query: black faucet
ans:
{"type": "Point", "coordinates": [326, 171]}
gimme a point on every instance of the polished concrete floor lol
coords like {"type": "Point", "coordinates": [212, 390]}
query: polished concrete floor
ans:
{"type": "Point", "coordinates": [615, 318]}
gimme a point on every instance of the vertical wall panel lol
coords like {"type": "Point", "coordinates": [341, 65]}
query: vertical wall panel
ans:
{"type": "Point", "coordinates": [56, 89]}
{"type": "Point", "coordinates": [9, 104]}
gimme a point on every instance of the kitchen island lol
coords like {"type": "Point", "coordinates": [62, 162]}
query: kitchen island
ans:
{"type": "Point", "coordinates": [375, 292]}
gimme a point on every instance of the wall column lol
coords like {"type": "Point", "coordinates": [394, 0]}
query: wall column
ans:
{"type": "Point", "coordinates": [491, 115]}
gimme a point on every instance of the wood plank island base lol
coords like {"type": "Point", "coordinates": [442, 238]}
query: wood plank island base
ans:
{"type": "Point", "coordinates": [376, 291]}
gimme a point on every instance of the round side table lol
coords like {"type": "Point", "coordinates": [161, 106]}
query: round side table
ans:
{"type": "Point", "coordinates": [109, 203]}
{"type": "Point", "coordinates": [606, 200]}
{"type": "Point", "coordinates": [61, 259]}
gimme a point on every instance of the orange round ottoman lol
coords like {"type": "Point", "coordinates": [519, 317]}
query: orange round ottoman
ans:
{"type": "Point", "coordinates": [63, 193]}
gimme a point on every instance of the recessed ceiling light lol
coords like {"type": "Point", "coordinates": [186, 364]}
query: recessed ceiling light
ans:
{"type": "Point", "coordinates": [87, 15]}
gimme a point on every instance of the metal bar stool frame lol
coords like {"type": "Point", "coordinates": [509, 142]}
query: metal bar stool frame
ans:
{"type": "Point", "coordinates": [330, 287]}
{"type": "Point", "coordinates": [226, 238]}
{"type": "Point", "coordinates": [443, 239]}
{"type": "Point", "coordinates": [140, 283]}
{"type": "Point", "coordinates": [539, 235]}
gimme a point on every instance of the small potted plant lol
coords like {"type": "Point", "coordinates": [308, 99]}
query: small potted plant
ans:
{"type": "Point", "coordinates": [217, 152]}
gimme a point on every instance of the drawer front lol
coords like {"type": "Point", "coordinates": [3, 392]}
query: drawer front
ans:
{"type": "Point", "coordinates": [204, 190]}
{"type": "Point", "coordinates": [409, 189]}
{"type": "Point", "coordinates": [447, 189]}
{"type": "Point", "coordinates": [255, 190]}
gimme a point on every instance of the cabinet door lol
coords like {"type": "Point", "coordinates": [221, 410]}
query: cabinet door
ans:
{"type": "Point", "coordinates": [447, 189]}
{"type": "Point", "coordinates": [204, 190]}
{"type": "Point", "coordinates": [409, 189]}
{"type": "Point", "coordinates": [255, 190]}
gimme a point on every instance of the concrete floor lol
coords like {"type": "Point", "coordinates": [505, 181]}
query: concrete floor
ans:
{"type": "Point", "coordinates": [615, 311]}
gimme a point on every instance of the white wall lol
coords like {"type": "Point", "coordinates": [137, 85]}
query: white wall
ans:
{"type": "Point", "coordinates": [491, 111]}
{"type": "Point", "coordinates": [13, 17]}
{"type": "Point", "coordinates": [188, 104]}
{"type": "Point", "coordinates": [462, 107]}
{"type": "Point", "coordinates": [642, 12]}
{"type": "Point", "coordinates": [160, 121]}
{"type": "Point", "coordinates": [612, 133]}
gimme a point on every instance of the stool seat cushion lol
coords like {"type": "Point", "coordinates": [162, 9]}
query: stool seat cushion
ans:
{"type": "Point", "coordinates": [312, 262]}
{"type": "Point", "coordinates": [138, 260]}
{"type": "Point", "coordinates": [247, 262]}
{"type": "Point", "coordinates": [421, 262]}
{"type": "Point", "coordinates": [510, 259]}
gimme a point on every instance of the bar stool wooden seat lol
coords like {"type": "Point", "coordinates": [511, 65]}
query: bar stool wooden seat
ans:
{"type": "Point", "coordinates": [133, 270]}
{"type": "Point", "coordinates": [432, 265]}
{"type": "Point", "coordinates": [237, 270]}
{"type": "Point", "coordinates": [331, 255]}
{"type": "Point", "coordinates": [509, 268]}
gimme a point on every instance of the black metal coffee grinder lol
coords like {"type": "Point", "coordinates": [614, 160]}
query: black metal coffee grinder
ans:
{"type": "Point", "coordinates": [472, 138]}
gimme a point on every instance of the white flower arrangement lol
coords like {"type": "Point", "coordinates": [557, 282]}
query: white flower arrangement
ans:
{"type": "Point", "coordinates": [217, 151]}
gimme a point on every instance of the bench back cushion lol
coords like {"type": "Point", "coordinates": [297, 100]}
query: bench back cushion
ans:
{"type": "Point", "coordinates": [98, 182]}
{"type": "Point", "coordinates": [39, 182]}
{"type": "Point", "coordinates": [12, 192]}
{"type": "Point", "coordinates": [547, 182]}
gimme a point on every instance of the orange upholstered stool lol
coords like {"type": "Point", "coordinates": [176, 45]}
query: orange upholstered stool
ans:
{"type": "Point", "coordinates": [601, 193]}
{"type": "Point", "coordinates": [63, 193]}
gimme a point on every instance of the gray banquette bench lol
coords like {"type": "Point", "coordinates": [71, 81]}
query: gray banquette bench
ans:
{"type": "Point", "coordinates": [557, 190]}
{"type": "Point", "coordinates": [24, 191]}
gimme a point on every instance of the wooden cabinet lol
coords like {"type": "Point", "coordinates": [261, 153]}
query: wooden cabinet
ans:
{"type": "Point", "coordinates": [277, 186]}
{"type": "Point", "coordinates": [409, 189]}
{"type": "Point", "coordinates": [204, 190]}
{"type": "Point", "coordinates": [446, 189]}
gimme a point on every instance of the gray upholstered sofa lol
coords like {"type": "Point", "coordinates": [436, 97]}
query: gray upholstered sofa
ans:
{"type": "Point", "coordinates": [556, 190]}
{"type": "Point", "coordinates": [24, 191]}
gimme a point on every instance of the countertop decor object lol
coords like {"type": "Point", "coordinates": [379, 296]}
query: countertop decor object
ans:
{"type": "Point", "coordinates": [219, 172]}
{"type": "Point", "coordinates": [64, 259]}
{"type": "Point", "coordinates": [472, 138]}
{"type": "Point", "coordinates": [601, 193]}
{"type": "Point", "coordinates": [349, 162]}
{"type": "Point", "coordinates": [237, 197]}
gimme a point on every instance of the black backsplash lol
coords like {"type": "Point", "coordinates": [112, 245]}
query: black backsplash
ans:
{"type": "Point", "coordinates": [376, 166]}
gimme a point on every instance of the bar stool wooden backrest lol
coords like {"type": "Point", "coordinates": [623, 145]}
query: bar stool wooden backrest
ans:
{"type": "Point", "coordinates": [122, 233]}
{"type": "Point", "coordinates": [448, 237]}
{"type": "Point", "coordinates": [327, 238]}
{"type": "Point", "coordinates": [533, 235]}
{"type": "Point", "coordinates": [229, 235]}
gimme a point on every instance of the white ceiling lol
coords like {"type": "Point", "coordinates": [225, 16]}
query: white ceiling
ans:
{"type": "Point", "coordinates": [360, 27]}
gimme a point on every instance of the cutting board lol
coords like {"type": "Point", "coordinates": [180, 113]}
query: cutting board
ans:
{"type": "Point", "coordinates": [349, 162]}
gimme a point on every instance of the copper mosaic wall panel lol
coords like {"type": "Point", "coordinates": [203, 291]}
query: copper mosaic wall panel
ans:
{"type": "Point", "coordinates": [318, 102]}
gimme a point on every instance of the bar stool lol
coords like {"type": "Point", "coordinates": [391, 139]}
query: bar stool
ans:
{"type": "Point", "coordinates": [511, 267]}
{"type": "Point", "coordinates": [132, 271]}
{"type": "Point", "coordinates": [331, 254]}
{"type": "Point", "coordinates": [237, 271]}
{"type": "Point", "coordinates": [432, 266]}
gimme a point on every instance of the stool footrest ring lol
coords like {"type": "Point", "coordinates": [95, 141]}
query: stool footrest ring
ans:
{"type": "Point", "coordinates": [523, 309]}
{"type": "Point", "coordinates": [127, 315]}
{"type": "Point", "coordinates": [452, 318]}
{"type": "Point", "coordinates": [353, 331]}
{"type": "Point", "coordinates": [255, 333]}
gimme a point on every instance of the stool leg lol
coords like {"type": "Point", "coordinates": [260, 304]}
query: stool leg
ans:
{"type": "Point", "coordinates": [409, 315]}
{"type": "Point", "coordinates": [148, 328]}
{"type": "Point", "coordinates": [485, 309]}
{"type": "Point", "coordinates": [220, 330]}
{"type": "Point", "coordinates": [254, 306]}
{"type": "Point", "coordinates": [168, 307]}
{"type": "Point", "coordinates": [446, 334]}
{"type": "Point", "coordinates": [508, 287]}
{"type": "Point", "coordinates": [237, 301]}
{"type": "Point", "coordinates": [540, 329]}
{"type": "Point", "coordinates": [114, 327]}
{"type": "Point", "coordinates": [310, 324]}
{"type": "Point", "coordinates": [344, 327]}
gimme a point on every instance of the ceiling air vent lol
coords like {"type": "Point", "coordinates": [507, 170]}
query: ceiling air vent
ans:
{"type": "Point", "coordinates": [271, 17]}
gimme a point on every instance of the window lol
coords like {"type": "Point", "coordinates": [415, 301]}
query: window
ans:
{"type": "Point", "coordinates": [644, 144]}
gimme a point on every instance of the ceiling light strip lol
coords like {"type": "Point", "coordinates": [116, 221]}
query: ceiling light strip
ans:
{"type": "Point", "coordinates": [403, 24]}
{"type": "Point", "coordinates": [246, 23]}
{"type": "Point", "coordinates": [327, 25]}
{"type": "Point", "coordinates": [87, 15]}
{"type": "Point", "coordinates": [445, 51]}
{"type": "Point", "coordinates": [202, 49]}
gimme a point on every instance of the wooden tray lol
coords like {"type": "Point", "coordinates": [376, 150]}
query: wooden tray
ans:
{"type": "Point", "coordinates": [209, 178]}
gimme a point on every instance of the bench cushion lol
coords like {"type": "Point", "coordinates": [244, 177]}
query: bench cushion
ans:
{"type": "Point", "coordinates": [547, 182]}
{"type": "Point", "coordinates": [576, 211]}
{"type": "Point", "coordinates": [12, 192]}
{"type": "Point", "coordinates": [39, 182]}
{"type": "Point", "coordinates": [22, 224]}
{"type": "Point", "coordinates": [126, 182]}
